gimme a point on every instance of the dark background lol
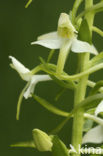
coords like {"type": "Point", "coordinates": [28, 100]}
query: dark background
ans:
{"type": "Point", "coordinates": [18, 27]}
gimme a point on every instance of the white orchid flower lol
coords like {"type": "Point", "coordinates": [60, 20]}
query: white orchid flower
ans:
{"type": "Point", "coordinates": [65, 33]}
{"type": "Point", "coordinates": [65, 38]}
{"type": "Point", "coordinates": [26, 75]}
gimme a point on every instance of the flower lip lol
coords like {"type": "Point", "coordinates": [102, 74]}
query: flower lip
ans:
{"type": "Point", "coordinates": [34, 80]}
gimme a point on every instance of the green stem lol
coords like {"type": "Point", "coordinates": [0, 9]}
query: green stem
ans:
{"type": "Point", "coordinates": [50, 55]}
{"type": "Point", "coordinates": [75, 9]}
{"type": "Point", "coordinates": [95, 8]}
{"type": "Point", "coordinates": [28, 3]}
{"type": "Point", "coordinates": [20, 101]}
{"type": "Point", "coordinates": [78, 117]}
{"type": "Point", "coordinates": [83, 73]}
{"type": "Point", "coordinates": [98, 31]}
{"type": "Point", "coordinates": [94, 118]}
{"type": "Point", "coordinates": [81, 91]}
{"type": "Point", "coordinates": [92, 84]}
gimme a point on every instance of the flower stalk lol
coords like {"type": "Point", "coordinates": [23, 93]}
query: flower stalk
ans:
{"type": "Point", "coordinates": [80, 92]}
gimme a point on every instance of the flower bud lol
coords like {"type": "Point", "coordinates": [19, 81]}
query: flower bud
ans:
{"type": "Point", "coordinates": [65, 27]}
{"type": "Point", "coordinates": [42, 140]}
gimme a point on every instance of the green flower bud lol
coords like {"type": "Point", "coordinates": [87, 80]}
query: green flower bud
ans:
{"type": "Point", "coordinates": [65, 27]}
{"type": "Point", "coordinates": [42, 140]}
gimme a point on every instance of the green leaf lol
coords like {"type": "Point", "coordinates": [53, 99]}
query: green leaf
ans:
{"type": "Point", "coordinates": [24, 144]}
{"type": "Point", "coordinates": [59, 148]}
{"type": "Point", "coordinates": [97, 59]}
{"type": "Point", "coordinates": [90, 102]}
{"type": "Point", "coordinates": [84, 32]}
{"type": "Point", "coordinates": [50, 107]}
{"type": "Point", "coordinates": [96, 88]}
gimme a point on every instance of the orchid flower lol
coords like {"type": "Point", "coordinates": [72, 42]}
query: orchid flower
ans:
{"type": "Point", "coordinates": [65, 38]}
{"type": "Point", "coordinates": [27, 75]}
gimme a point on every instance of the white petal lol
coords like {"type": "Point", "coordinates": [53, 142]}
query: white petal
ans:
{"type": "Point", "coordinates": [81, 47]}
{"type": "Point", "coordinates": [35, 79]}
{"type": "Point", "coordinates": [50, 40]}
{"type": "Point", "coordinates": [20, 68]}
{"type": "Point", "coordinates": [95, 135]}
{"type": "Point", "coordinates": [99, 108]}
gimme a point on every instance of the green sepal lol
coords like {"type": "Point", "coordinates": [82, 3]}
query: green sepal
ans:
{"type": "Point", "coordinates": [96, 88]}
{"type": "Point", "coordinates": [84, 32]}
{"type": "Point", "coordinates": [49, 106]}
{"type": "Point", "coordinates": [59, 148]}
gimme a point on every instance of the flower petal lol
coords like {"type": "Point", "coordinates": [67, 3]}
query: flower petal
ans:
{"type": "Point", "coordinates": [20, 68]}
{"type": "Point", "coordinates": [50, 40]}
{"type": "Point", "coordinates": [99, 108]}
{"type": "Point", "coordinates": [95, 135]}
{"type": "Point", "coordinates": [81, 47]}
{"type": "Point", "coordinates": [35, 79]}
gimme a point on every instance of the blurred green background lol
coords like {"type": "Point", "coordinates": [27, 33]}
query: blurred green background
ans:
{"type": "Point", "coordinates": [18, 27]}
